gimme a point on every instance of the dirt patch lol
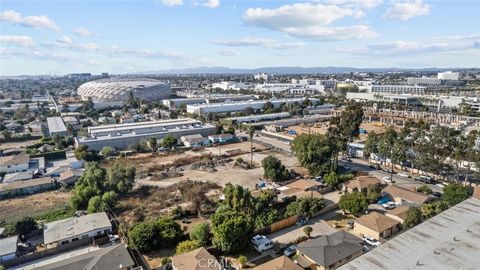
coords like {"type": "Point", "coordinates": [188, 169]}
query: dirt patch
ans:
{"type": "Point", "coordinates": [11, 145]}
{"type": "Point", "coordinates": [33, 205]}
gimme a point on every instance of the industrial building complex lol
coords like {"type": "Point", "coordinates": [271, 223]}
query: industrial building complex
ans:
{"type": "Point", "coordinates": [121, 136]}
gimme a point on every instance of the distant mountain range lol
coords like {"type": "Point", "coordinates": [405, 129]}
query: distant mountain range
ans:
{"type": "Point", "coordinates": [288, 70]}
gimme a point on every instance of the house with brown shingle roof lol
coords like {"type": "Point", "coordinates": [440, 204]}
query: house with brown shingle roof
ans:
{"type": "Point", "coordinates": [280, 263]}
{"type": "Point", "coordinates": [198, 259]}
{"type": "Point", "coordinates": [361, 183]}
{"type": "Point", "coordinates": [376, 225]}
{"type": "Point", "coordinates": [400, 195]}
{"type": "Point", "coordinates": [399, 213]}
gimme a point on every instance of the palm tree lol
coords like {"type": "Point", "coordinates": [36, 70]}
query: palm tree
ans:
{"type": "Point", "coordinates": [251, 132]}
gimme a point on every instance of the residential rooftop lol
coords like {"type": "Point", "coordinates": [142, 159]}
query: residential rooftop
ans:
{"type": "Point", "coordinates": [91, 258]}
{"type": "Point", "coordinates": [8, 245]}
{"type": "Point", "coordinates": [280, 263]}
{"type": "Point", "coordinates": [14, 160]}
{"type": "Point", "coordinates": [376, 221]}
{"type": "Point", "coordinates": [448, 241]}
{"type": "Point", "coordinates": [67, 228]}
{"type": "Point", "coordinates": [56, 124]}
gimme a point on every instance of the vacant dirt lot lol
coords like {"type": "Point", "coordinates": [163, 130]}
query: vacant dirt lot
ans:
{"type": "Point", "coordinates": [32, 205]}
{"type": "Point", "coordinates": [228, 173]}
{"type": "Point", "coordinates": [10, 145]}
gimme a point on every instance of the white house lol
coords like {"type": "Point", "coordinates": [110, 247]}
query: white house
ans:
{"type": "Point", "coordinates": [16, 163]}
{"type": "Point", "coordinates": [8, 248]}
{"type": "Point", "coordinates": [70, 230]}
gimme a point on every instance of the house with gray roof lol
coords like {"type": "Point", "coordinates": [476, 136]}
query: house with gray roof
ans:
{"type": "Point", "coordinates": [8, 248]}
{"type": "Point", "coordinates": [92, 258]}
{"type": "Point", "coordinates": [328, 251]}
{"type": "Point", "coordinates": [69, 230]}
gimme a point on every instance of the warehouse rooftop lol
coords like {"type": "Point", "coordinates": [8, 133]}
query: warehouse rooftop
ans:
{"type": "Point", "coordinates": [450, 240]}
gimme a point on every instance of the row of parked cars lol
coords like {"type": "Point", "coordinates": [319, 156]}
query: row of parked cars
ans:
{"type": "Point", "coordinates": [261, 243]}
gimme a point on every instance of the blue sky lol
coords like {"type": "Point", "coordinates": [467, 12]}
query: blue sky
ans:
{"type": "Point", "coordinates": [58, 37]}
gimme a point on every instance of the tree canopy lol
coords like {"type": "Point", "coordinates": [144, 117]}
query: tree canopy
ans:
{"type": "Point", "coordinates": [273, 169]}
{"type": "Point", "coordinates": [355, 203]}
{"type": "Point", "coordinates": [315, 152]}
{"type": "Point", "coordinates": [231, 230]}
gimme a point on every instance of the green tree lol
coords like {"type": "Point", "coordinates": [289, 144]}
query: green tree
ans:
{"type": "Point", "coordinates": [90, 184]}
{"type": "Point", "coordinates": [95, 204]}
{"type": "Point", "coordinates": [304, 207]}
{"type": "Point", "coordinates": [425, 189]}
{"type": "Point", "coordinates": [331, 180]}
{"type": "Point", "coordinates": [170, 231]}
{"type": "Point", "coordinates": [201, 233]}
{"type": "Point", "coordinates": [25, 225]}
{"type": "Point", "coordinates": [109, 198]}
{"type": "Point", "coordinates": [315, 152]}
{"type": "Point", "coordinates": [81, 152]}
{"type": "Point", "coordinates": [168, 141]}
{"type": "Point", "coordinates": [354, 203]}
{"type": "Point", "coordinates": [152, 143]}
{"type": "Point", "coordinates": [186, 246]}
{"type": "Point", "coordinates": [414, 217]}
{"type": "Point", "coordinates": [371, 143]}
{"type": "Point", "coordinates": [273, 169]}
{"type": "Point", "coordinates": [432, 209]}
{"type": "Point", "coordinates": [242, 260]}
{"type": "Point", "coordinates": [144, 236]}
{"type": "Point", "coordinates": [231, 230]}
{"type": "Point", "coordinates": [455, 193]}
{"type": "Point", "coordinates": [238, 198]}
{"type": "Point", "coordinates": [307, 230]}
{"type": "Point", "coordinates": [106, 151]}
{"type": "Point", "coordinates": [373, 193]}
{"type": "Point", "coordinates": [120, 178]}
{"type": "Point", "coordinates": [266, 217]}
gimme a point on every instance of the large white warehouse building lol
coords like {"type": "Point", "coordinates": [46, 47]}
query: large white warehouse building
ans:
{"type": "Point", "coordinates": [119, 90]}
{"type": "Point", "coordinates": [122, 136]}
{"type": "Point", "coordinates": [226, 107]}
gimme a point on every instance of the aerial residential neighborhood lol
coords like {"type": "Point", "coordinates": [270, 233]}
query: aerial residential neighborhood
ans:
{"type": "Point", "coordinates": [228, 135]}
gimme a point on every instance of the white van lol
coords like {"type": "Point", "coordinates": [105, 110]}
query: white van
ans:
{"type": "Point", "coordinates": [263, 245]}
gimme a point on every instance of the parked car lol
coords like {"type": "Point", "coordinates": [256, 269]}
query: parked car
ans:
{"type": "Point", "coordinates": [289, 251]}
{"type": "Point", "coordinates": [388, 180]}
{"type": "Point", "coordinates": [375, 166]}
{"type": "Point", "coordinates": [387, 170]}
{"type": "Point", "coordinates": [389, 205]}
{"type": "Point", "coordinates": [371, 241]}
{"type": "Point", "coordinates": [437, 194]}
{"type": "Point", "coordinates": [257, 238]}
{"type": "Point", "coordinates": [404, 175]}
{"type": "Point", "coordinates": [424, 178]}
{"type": "Point", "coordinates": [440, 185]}
{"type": "Point", "coordinates": [263, 245]}
{"type": "Point", "coordinates": [383, 200]}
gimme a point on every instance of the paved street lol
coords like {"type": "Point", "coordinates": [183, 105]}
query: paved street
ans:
{"type": "Point", "coordinates": [363, 165]}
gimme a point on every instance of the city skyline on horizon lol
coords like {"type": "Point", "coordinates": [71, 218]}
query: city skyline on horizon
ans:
{"type": "Point", "coordinates": [51, 37]}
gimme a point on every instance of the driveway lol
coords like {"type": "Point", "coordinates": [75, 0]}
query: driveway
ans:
{"type": "Point", "coordinates": [290, 234]}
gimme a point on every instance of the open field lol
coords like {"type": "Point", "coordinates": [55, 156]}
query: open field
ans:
{"type": "Point", "coordinates": [228, 173]}
{"type": "Point", "coordinates": [32, 205]}
{"type": "Point", "coordinates": [10, 145]}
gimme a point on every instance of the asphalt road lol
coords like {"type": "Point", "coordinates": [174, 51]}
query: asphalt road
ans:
{"type": "Point", "coordinates": [363, 165]}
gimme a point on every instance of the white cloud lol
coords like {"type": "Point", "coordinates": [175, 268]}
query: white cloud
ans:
{"type": "Point", "coordinates": [356, 3]}
{"type": "Point", "coordinates": [172, 3]}
{"type": "Point", "coordinates": [16, 18]}
{"type": "Point", "coordinates": [297, 15]}
{"type": "Point", "coordinates": [430, 45]}
{"type": "Point", "coordinates": [332, 33]}
{"type": "Point", "coordinates": [64, 40]}
{"type": "Point", "coordinates": [22, 41]}
{"type": "Point", "coordinates": [309, 20]}
{"type": "Point", "coordinates": [229, 52]}
{"type": "Point", "coordinates": [258, 42]}
{"type": "Point", "coordinates": [211, 3]}
{"type": "Point", "coordinates": [407, 9]}
{"type": "Point", "coordinates": [83, 32]}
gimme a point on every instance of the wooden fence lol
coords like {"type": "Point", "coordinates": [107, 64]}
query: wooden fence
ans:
{"type": "Point", "coordinates": [276, 226]}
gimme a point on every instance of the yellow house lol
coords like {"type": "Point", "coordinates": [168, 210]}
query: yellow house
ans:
{"type": "Point", "coordinates": [377, 225]}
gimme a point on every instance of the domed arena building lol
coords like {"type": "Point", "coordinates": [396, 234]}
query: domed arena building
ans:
{"type": "Point", "coordinates": [118, 91]}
